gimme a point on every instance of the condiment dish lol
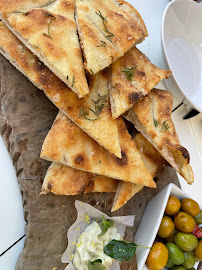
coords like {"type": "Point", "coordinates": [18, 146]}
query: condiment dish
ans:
{"type": "Point", "coordinates": [151, 221]}
{"type": "Point", "coordinates": [182, 45]}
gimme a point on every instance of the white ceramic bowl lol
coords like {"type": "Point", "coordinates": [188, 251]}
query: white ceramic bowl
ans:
{"type": "Point", "coordinates": [182, 44]}
{"type": "Point", "coordinates": [151, 221]}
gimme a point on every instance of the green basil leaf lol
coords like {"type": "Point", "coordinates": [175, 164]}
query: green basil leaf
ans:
{"type": "Point", "coordinates": [105, 225]}
{"type": "Point", "coordinates": [120, 250]}
{"type": "Point", "coordinates": [96, 265]}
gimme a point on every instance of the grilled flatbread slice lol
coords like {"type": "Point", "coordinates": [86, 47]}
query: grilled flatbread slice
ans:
{"type": "Point", "coordinates": [69, 145]}
{"type": "Point", "coordinates": [51, 34]}
{"type": "Point", "coordinates": [103, 130]}
{"type": "Point", "coordinates": [154, 163]}
{"type": "Point", "coordinates": [133, 77]}
{"type": "Point", "coordinates": [107, 29]}
{"type": "Point", "coordinates": [152, 117]}
{"type": "Point", "coordinates": [63, 180]}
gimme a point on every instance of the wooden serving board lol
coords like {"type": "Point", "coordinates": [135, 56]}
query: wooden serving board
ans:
{"type": "Point", "coordinates": [26, 115]}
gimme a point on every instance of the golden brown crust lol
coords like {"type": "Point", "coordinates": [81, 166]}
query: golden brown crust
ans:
{"type": "Point", "coordinates": [154, 163]}
{"type": "Point", "coordinates": [116, 34]}
{"type": "Point", "coordinates": [51, 34]}
{"type": "Point", "coordinates": [8, 6]}
{"type": "Point", "coordinates": [124, 93]}
{"type": "Point", "coordinates": [70, 146]}
{"type": "Point", "coordinates": [63, 180]}
{"type": "Point", "coordinates": [104, 130]}
{"type": "Point", "coordinates": [152, 117]}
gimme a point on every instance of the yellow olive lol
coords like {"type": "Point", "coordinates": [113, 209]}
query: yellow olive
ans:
{"type": "Point", "coordinates": [190, 206]}
{"type": "Point", "coordinates": [171, 237]}
{"type": "Point", "coordinates": [158, 257]}
{"type": "Point", "coordinates": [166, 228]}
{"type": "Point", "coordinates": [198, 250]}
{"type": "Point", "coordinates": [184, 222]}
{"type": "Point", "coordinates": [173, 206]}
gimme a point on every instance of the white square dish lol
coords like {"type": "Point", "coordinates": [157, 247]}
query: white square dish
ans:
{"type": "Point", "coordinates": [151, 221]}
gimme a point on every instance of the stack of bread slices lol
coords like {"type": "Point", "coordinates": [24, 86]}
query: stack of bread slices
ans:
{"type": "Point", "coordinates": [83, 55]}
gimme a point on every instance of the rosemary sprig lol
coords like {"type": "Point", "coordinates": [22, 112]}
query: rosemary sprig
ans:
{"type": "Point", "coordinates": [73, 81]}
{"type": "Point", "coordinates": [165, 126]}
{"type": "Point", "coordinates": [104, 19]}
{"type": "Point", "coordinates": [22, 12]}
{"type": "Point", "coordinates": [99, 104]}
{"type": "Point", "coordinates": [92, 73]}
{"type": "Point", "coordinates": [84, 112]}
{"type": "Point", "coordinates": [156, 123]}
{"type": "Point", "coordinates": [103, 44]}
{"type": "Point", "coordinates": [129, 72]}
{"type": "Point", "coordinates": [49, 24]}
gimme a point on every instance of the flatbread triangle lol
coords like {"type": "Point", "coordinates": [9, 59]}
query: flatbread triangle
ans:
{"type": "Point", "coordinates": [50, 32]}
{"type": "Point", "coordinates": [69, 145]}
{"type": "Point", "coordinates": [107, 30]}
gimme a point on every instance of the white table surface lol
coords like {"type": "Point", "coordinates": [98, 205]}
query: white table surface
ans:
{"type": "Point", "coordinates": [190, 134]}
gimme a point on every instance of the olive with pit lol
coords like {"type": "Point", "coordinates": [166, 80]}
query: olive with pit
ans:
{"type": "Point", "coordinates": [184, 222]}
{"type": "Point", "coordinates": [173, 206]}
{"type": "Point", "coordinates": [198, 218]}
{"type": "Point", "coordinates": [158, 257]}
{"type": "Point", "coordinates": [175, 255]}
{"type": "Point", "coordinates": [198, 250]}
{"type": "Point", "coordinates": [190, 206]}
{"type": "Point", "coordinates": [186, 241]}
{"type": "Point", "coordinates": [189, 259]}
{"type": "Point", "coordinates": [166, 228]}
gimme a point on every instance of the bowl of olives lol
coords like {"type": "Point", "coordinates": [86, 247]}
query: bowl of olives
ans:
{"type": "Point", "coordinates": [172, 227]}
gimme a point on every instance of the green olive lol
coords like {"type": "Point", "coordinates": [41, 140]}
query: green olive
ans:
{"type": "Point", "coordinates": [190, 206]}
{"type": "Point", "coordinates": [186, 241]}
{"type": "Point", "coordinates": [189, 259]}
{"type": "Point", "coordinates": [158, 257]}
{"type": "Point", "coordinates": [184, 222]}
{"type": "Point", "coordinates": [178, 267]}
{"type": "Point", "coordinates": [166, 228]}
{"type": "Point", "coordinates": [173, 206]}
{"type": "Point", "coordinates": [175, 254]}
{"type": "Point", "coordinates": [169, 264]}
{"type": "Point", "coordinates": [198, 218]}
{"type": "Point", "coordinates": [198, 250]}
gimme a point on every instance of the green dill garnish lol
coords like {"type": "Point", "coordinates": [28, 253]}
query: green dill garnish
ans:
{"type": "Point", "coordinates": [22, 12]}
{"type": "Point", "coordinates": [73, 81]}
{"type": "Point", "coordinates": [129, 73]}
{"type": "Point", "coordinates": [99, 104]}
{"type": "Point", "coordinates": [103, 44]}
{"type": "Point", "coordinates": [52, 18]}
{"type": "Point", "coordinates": [92, 73]}
{"type": "Point", "coordinates": [156, 123]}
{"type": "Point", "coordinates": [105, 225]}
{"type": "Point", "coordinates": [165, 126]}
{"type": "Point", "coordinates": [104, 19]}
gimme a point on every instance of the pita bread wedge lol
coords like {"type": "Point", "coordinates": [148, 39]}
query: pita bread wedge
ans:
{"type": "Point", "coordinates": [104, 130]}
{"type": "Point", "coordinates": [107, 29]}
{"type": "Point", "coordinates": [69, 145]}
{"type": "Point", "coordinates": [152, 117]}
{"type": "Point", "coordinates": [51, 34]}
{"type": "Point", "coordinates": [154, 163]}
{"type": "Point", "coordinates": [133, 76]}
{"type": "Point", "coordinates": [63, 180]}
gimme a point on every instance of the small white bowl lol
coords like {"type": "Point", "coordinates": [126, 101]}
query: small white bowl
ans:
{"type": "Point", "coordinates": [151, 221]}
{"type": "Point", "coordinates": [182, 44]}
